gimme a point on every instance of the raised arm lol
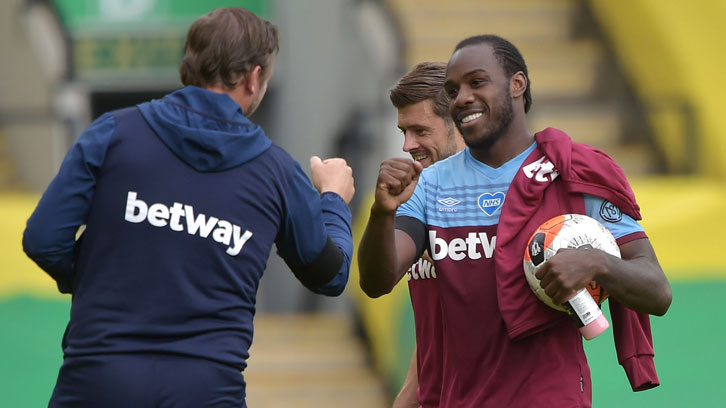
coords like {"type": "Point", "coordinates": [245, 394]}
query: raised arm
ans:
{"type": "Point", "coordinates": [385, 253]}
{"type": "Point", "coordinates": [316, 237]}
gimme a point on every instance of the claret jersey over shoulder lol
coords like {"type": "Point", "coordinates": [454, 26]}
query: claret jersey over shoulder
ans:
{"type": "Point", "coordinates": [465, 207]}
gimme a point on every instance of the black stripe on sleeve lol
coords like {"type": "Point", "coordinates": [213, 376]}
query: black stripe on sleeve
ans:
{"type": "Point", "coordinates": [416, 230]}
{"type": "Point", "coordinates": [321, 270]}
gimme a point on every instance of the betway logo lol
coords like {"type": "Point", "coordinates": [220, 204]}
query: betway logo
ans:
{"type": "Point", "coordinates": [159, 215]}
{"type": "Point", "coordinates": [460, 248]}
{"type": "Point", "coordinates": [421, 270]}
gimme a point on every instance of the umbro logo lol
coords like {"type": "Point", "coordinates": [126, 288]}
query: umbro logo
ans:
{"type": "Point", "coordinates": [449, 203]}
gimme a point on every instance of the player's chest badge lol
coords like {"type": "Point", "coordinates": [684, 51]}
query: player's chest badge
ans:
{"type": "Point", "coordinates": [490, 203]}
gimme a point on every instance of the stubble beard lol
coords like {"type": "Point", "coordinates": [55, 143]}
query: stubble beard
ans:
{"type": "Point", "coordinates": [451, 146]}
{"type": "Point", "coordinates": [497, 128]}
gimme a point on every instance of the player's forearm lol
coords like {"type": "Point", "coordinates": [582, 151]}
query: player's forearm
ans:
{"type": "Point", "coordinates": [637, 280]}
{"type": "Point", "coordinates": [377, 258]}
{"type": "Point", "coordinates": [407, 397]}
{"type": "Point", "coordinates": [337, 218]}
{"type": "Point", "coordinates": [59, 265]}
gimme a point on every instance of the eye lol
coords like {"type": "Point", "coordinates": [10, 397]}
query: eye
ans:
{"type": "Point", "coordinates": [477, 82]}
{"type": "Point", "coordinates": [451, 92]}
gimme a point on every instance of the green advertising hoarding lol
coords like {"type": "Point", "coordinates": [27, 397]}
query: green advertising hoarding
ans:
{"type": "Point", "coordinates": [133, 43]}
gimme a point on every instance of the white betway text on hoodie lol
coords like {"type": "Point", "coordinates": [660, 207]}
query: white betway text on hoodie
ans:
{"type": "Point", "coordinates": [159, 215]}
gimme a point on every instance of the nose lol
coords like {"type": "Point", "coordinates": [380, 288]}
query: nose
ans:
{"type": "Point", "coordinates": [464, 96]}
{"type": "Point", "coordinates": [409, 142]}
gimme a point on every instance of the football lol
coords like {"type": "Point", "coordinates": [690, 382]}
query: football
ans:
{"type": "Point", "coordinates": [566, 231]}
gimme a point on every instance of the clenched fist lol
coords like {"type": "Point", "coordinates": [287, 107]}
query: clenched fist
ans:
{"type": "Point", "coordinates": [397, 179]}
{"type": "Point", "coordinates": [332, 175]}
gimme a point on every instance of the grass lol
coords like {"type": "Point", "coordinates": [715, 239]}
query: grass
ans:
{"type": "Point", "coordinates": [689, 350]}
{"type": "Point", "coordinates": [688, 344]}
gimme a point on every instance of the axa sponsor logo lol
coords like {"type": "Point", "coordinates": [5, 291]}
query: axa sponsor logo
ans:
{"type": "Point", "coordinates": [422, 269]}
{"type": "Point", "coordinates": [181, 217]}
{"type": "Point", "coordinates": [541, 170]}
{"type": "Point", "coordinates": [449, 204]}
{"type": "Point", "coordinates": [474, 246]}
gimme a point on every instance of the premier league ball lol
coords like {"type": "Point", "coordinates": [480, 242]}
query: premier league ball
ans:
{"type": "Point", "coordinates": [566, 231]}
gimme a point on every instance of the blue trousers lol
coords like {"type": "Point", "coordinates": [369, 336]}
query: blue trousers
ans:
{"type": "Point", "coordinates": [147, 381]}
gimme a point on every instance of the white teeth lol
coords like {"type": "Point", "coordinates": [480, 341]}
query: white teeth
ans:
{"type": "Point", "coordinates": [469, 118]}
{"type": "Point", "coordinates": [419, 157]}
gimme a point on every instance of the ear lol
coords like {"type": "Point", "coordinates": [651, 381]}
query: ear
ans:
{"type": "Point", "coordinates": [518, 84]}
{"type": "Point", "coordinates": [253, 80]}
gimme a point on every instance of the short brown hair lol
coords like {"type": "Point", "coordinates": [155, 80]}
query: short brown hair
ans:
{"type": "Point", "coordinates": [425, 81]}
{"type": "Point", "coordinates": [226, 44]}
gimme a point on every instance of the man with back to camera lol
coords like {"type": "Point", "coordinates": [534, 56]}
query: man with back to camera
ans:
{"type": "Point", "coordinates": [182, 199]}
{"type": "Point", "coordinates": [429, 136]}
{"type": "Point", "coordinates": [502, 347]}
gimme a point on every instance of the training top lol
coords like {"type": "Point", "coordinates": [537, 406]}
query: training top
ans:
{"type": "Point", "coordinates": [182, 199]}
{"type": "Point", "coordinates": [454, 213]}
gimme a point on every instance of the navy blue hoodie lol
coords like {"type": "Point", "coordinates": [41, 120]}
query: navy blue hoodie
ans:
{"type": "Point", "coordinates": [182, 199]}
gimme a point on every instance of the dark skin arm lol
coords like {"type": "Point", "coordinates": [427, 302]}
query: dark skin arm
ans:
{"type": "Point", "coordinates": [636, 280]}
{"type": "Point", "coordinates": [407, 397]}
{"type": "Point", "coordinates": [384, 253]}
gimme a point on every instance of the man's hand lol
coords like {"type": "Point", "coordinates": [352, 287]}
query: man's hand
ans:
{"type": "Point", "coordinates": [570, 270]}
{"type": "Point", "coordinates": [397, 179]}
{"type": "Point", "coordinates": [332, 175]}
{"type": "Point", "coordinates": [636, 281]}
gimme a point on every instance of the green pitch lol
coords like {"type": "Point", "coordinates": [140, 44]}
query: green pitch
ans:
{"type": "Point", "coordinates": [689, 354]}
{"type": "Point", "coordinates": [31, 349]}
{"type": "Point", "coordinates": [688, 344]}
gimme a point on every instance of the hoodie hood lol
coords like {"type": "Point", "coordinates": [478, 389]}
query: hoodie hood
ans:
{"type": "Point", "coordinates": [207, 130]}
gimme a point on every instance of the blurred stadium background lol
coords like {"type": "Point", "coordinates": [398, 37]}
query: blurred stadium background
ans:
{"type": "Point", "coordinates": [640, 79]}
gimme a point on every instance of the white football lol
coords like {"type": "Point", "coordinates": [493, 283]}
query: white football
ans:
{"type": "Point", "coordinates": [566, 231]}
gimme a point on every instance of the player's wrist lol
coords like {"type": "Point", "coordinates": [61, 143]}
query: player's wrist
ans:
{"type": "Point", "coordinates": [603, 265]}
{"type": "Point", "coordinates": [381, 210]}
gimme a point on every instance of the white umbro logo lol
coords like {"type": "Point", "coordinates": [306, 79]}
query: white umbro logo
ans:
{"type": "Point", "coordinates": [448, 203]}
